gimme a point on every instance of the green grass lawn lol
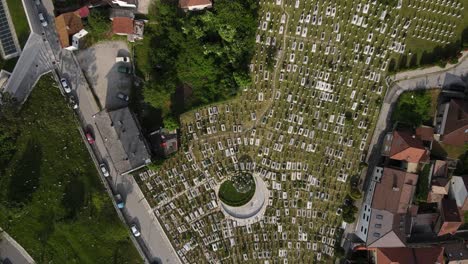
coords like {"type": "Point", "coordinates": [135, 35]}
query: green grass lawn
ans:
{"type": "Point", "coordinates": [231, 196]}
{"type": "Point", "coordinates": [19, 20]}
{"type": "Point", "coordinates": [51, 198]}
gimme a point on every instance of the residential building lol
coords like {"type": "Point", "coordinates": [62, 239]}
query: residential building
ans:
{"type": "Point", "coordinates": [193, 5]}
{"type": "Point", "coordinates": [395, 191]}
{"type": "Point", "coordinates": [67, 25]}
{"type": "Point", "coordinates": [405, 147]}
{"type": "Point", "coordinates": [402, 255]}
{"type": "Point", "coordinates": [459, 191]}
{"type": "Point", "coordinates": [363, 220]}
{"type": "Point", "coordinates": [122, 25]}
{"type": "Point", "coordinates": [450, 219]}
{"type": "Point", "coordinates": [386, 229]}
{"type": "Point", "coordinates": [123, 140]}
{"type": "Point", "coordinates": [452, 122]}
{"type": "Point", "coordinates": [390, 221]}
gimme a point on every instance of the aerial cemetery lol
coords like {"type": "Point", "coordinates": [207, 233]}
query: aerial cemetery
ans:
{"type": "Point", "coordinates": [301, 130]}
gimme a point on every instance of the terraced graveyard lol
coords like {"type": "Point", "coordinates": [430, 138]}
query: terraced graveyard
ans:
{"type": "Point", "coordinates": [303, 128]}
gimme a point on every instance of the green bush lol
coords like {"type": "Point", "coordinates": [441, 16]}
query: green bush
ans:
{"type": "Point", "coordinates": [413, 108]}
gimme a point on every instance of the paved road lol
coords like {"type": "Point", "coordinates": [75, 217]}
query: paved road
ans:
{"type": "Point", "coordinates": [153, 239]}
{"type": "Point", "coordinates": [11, 250]}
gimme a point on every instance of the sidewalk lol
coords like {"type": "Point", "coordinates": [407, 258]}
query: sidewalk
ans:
{"type": "Point", "coordinates": [11, 250]}
{"type": "Point", "coordinates": [430, 70]}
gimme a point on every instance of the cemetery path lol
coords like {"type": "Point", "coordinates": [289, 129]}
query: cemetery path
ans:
{"type": "Point", "coordinates": [431, 70]}
{"type": "Point", "coordinates": [280, 57]}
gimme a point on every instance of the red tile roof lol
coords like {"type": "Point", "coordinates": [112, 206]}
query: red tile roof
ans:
{"type": "Point", "coordinates": [407, 147]}
{"type": "Point", "coordinates": [425, 133]}
{"type": "Point", "coordinates": [456, 124]}
{"type": "Point", "coordinates": [395, 191]}
{"type": "Point", "coordinates": [189, 3]}
{"type": "Point", "coordinates": [83, 12]}
{"type": "Point", "coordinates": [66, 25]}
{"type": "Point", "coordinates": [122, 25]}
{"type": "Point", "coordinates": [451, 218]}
{"type": "Point", "coordinates": [410, 255]}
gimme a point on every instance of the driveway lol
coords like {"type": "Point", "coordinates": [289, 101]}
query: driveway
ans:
{"type": "Point", "coordinates": [98, 63]}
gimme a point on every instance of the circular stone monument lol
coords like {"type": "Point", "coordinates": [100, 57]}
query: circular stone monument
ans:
{"type": "Point", "coordinates": [247, 203]}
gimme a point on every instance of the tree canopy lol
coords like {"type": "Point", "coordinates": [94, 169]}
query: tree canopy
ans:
{"type": "Point", "coordinates": [199, 57]}
{"type": "Point", "coordinates": [413, 108]}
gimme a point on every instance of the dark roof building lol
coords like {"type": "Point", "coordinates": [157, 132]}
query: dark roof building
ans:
{"type": "Point", "coordinates": [456, 253]}
{"type": "Point", "coordinates": [450, 219]}
{"type": "Point", "coordinates": [122, 139]}
{"type": "Point", "coordinates": [164, 142]}
{"type": "Point", "coordinates": [452, 122]}
{"type": "Point", "coordinates": [432, 255]}
{"type": "Point", "coordinates": [395, 191]}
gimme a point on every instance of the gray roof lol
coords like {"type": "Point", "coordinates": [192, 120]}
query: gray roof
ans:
{"type": "Point", "coordinates": [122, 139]}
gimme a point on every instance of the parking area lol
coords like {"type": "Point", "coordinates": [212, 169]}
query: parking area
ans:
{"type": "Point", "coordinates": [102, 71]}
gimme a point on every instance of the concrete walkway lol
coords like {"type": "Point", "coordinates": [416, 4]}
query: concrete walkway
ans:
{"type": "Point", "coordinates": [12, 251]}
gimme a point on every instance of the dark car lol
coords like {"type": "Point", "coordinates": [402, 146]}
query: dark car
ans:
{"type": "Point", "coordinates": [123, 97]}
{"type": "Point", "coordinates": [124, 69]}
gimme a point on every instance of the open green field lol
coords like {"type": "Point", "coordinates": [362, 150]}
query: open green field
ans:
{"type": "Point", "coordinates": [51, 198]}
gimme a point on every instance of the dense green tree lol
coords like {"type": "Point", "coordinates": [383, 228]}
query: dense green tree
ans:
{"type": "Point", "coordinates": [413, 108]}
{"type": "Point", "coordinates": [349, 213]}
{"type": "Point", "coordinates": [199, 57]}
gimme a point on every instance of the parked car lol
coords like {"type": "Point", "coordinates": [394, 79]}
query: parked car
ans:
{"type": "Point", "coordinates": [119, 201]}
{"type": "Point", "coordinates": [104, 169]}
{"type": "Point", "coordinates": [65, 85]}
{"type": "Point", "coordinates": [122, 59]}
{"type": "Point", "coordinates": [90, 138]}
{"type": "Point", "coordinates": [123, 97]}
{"type": "Point", "coordinates": [72, 101]}
{"type": "Point", "coordinates": [124, 69]}
{"type": "Point", "coordinates": [135, 231]}
{"type": "Point", "coordinates": [43, 20]}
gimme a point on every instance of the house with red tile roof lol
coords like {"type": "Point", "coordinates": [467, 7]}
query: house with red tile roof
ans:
{"type": "Point", "coordinates": [430, 255]}
{"type": "Point", "coordinates": [390, 221]}
{"type": "Point", "coordinates": [67, 25]}
{"type": "Point", "coordinates": [122, 25]}
{"type": "Point", "coordinates": [452, 122]}
{"type": "Point", "coordinates": [404, 146]}
{"type": "Point", "coordinates": [193, 5]}
{"type": "Point", "coordinates": [395, 191]}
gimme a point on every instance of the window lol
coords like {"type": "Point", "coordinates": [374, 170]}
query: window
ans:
{"type": "Point", "coordinates": [379, 216]}
{"type": "Point", "coordinates": [378, 225]}
{"type": "Point", "coordinates": [376, 234]}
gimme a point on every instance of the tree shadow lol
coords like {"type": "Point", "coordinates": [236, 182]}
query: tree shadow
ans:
{"type": "Point", "coordinates": [26, 174]}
